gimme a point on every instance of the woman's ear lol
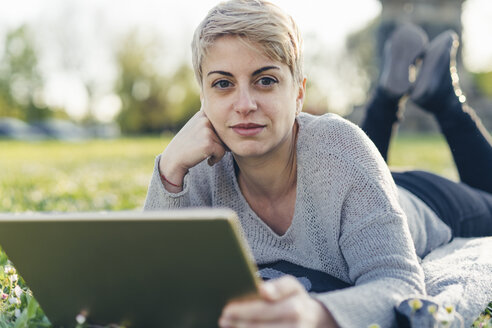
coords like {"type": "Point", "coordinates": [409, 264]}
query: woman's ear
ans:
{"type": "Point", "coordinates": [300, 96]}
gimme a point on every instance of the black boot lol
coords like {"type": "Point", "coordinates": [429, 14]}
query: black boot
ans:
{"type": "Point", "coordinates": [405, 45]}
{"type": "Point", "coordinates": [434, 88]}
{"type": "Point", "coordinates": [401, 50]}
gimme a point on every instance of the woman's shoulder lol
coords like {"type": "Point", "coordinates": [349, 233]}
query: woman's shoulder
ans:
{"type": "Point", "coordinates": [328, 124]}
{"type": "Point", "coordinates": [309, 120]}
{"type": "Point", "coordinates": [330, 137]}
{"type": "Point", "coordinates": [333, 132]}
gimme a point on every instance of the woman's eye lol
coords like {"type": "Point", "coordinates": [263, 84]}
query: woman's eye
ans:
{"type": "Point", "coordinates": [222, 84]}
{"type": "Point", "coordinates": [267, 81]}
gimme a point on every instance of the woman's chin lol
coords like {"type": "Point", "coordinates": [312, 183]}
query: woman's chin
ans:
{"type": "Point", "coordinates": [248, 152]}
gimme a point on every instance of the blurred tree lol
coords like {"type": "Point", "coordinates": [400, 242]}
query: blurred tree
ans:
{"type": "Point", "coordinates": [139, 87]}
{"type": "Point", "coordinates": [21, 85]}
{"type": "Point", "coordinates": [336, 79]}
{"type": "Point", "coordinates": [183, 96]}
{"type": "Point", "coordinates": [361, 47]}
{"type": "Point", "coordinates": [152, 101]}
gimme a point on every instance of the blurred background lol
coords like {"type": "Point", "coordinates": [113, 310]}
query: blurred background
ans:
{"type": "Point", "coordinates": [110, 82]}
{"type": "Point", "coordinates": [126, 67]}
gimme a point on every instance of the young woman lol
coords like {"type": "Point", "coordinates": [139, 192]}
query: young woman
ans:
{"type": "Point", "coordinates": [313, 194]}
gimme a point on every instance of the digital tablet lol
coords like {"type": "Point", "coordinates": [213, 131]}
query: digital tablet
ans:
{"type": "Point", "coordinates": [137, 269]}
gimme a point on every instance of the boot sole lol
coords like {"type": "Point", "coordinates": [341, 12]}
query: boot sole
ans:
{"type": "Point", "coordinates": [438, 60]}
{"type": "Point", "coordinates": [405, 46]}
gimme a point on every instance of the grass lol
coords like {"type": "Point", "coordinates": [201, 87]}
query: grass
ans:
{"type": "Point", "coordinates": [113, 175]}
{"type": "Point", "coordinates": [423, 152]}
{"type": "Point", "coordinates": [87, 176]}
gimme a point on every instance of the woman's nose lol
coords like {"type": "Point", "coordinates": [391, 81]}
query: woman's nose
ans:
{"type": "Point", "coordinates": [245, 101]}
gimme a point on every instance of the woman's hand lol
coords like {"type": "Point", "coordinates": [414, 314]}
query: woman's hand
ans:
{"type": "Point", "coordinates": [283, 302]}
{"type": "Point", "coordinates": [196, 141]}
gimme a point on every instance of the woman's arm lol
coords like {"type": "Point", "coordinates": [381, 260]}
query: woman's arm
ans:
{"type": "Point", "coordinates": [374, 238]}
{"type": "Point", "coordinates": [384, 267]}
{"type": "Point", "coordinates": [195, 142]}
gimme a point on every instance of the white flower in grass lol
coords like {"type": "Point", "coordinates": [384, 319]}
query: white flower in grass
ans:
{"type": "Point", "coordinates": [415, 304]}
{"type": "Point", "coordinates": [17, 313]}
{"type": "Point", "coordinates": [80, 318]}
{"type": "Point", "coordinates": [14, 300]}
{"type": "Point", "coordinates": [14, 278]}
{"type": "Point", "coordinates": [449, 309]}
{"type": "Point", "coordinates": [432, 309]}
{"type": "Point", "coordinates": [18, 291]}
{"type": "Point", "coordinates": [8, 269]}
{"type": "Point", "coordinates": [445, 316]}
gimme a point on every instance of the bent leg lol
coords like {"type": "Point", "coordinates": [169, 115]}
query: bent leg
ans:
{"type": "Point", "coordinates": [437, 91]}
{"type": "Point", "coordinates": [380, 120]}
{"type": "Point", "coordinates": [401, 50]}
{"type": "Point", "coordinates": [466, 210]}
{"type": "Point", "coordinates": [470, 145]}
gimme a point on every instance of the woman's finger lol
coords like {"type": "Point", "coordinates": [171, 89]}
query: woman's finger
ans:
{"type": "Point", "coordinates": [254, 311]}
{"type": "Point", "coordinates": [282, 299]}
{"type": "Point", "coordinates": [298, 310]}
{"type": "Point", "coordinates": [277, 289]}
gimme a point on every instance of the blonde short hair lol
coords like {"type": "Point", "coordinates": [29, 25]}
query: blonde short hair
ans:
{"type": "Point", "coordinates": [256, 21]}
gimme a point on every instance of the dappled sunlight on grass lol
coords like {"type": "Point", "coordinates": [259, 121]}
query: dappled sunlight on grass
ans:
{"type": "Point", "coordinates": [114, 174]}
{"type": "Point", "coordinates": [89, 176]}
{"type": "Point", "coordinates": [422, 152]}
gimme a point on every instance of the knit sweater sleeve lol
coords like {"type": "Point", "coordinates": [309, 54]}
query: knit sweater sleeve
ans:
{"type": "Point", "coordinates": [385, 271]}
{"type": "Point", "coordinates": [158, 198]}
{"type": "Point", "coordinates": [374, 237]}
{"type": "Point", "coordinates": [197, 186]}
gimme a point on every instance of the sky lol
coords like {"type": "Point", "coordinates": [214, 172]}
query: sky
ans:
{"type": "Point", "coordinates": [83, 20]}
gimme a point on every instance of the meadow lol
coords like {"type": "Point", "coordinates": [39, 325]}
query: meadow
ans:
{"type": "Point", "coordinates": [85, 176]}
{"type": "Point", "coordinates": [112, 175]}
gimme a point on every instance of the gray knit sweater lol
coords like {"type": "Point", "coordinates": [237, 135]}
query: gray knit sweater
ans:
{"type": "Point", "coordinates": [347, 221]}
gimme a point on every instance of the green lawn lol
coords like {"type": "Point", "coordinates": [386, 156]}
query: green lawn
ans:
{"type": "Point", "coordinates": [423, 152]}
{"type": "Point", "coordinates": [87, 176]}
{"type": "Point", "coordinates": [114, 174]}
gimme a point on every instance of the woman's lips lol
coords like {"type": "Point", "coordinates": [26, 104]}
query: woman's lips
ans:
{"type": "Point", "coordinates": [248, 129]}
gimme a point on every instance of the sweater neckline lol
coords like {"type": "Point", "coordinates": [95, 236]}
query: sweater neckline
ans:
{"type": "Point", "coordinates": [248, 208]}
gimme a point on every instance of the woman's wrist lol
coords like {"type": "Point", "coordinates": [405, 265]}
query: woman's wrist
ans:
{"type": "Point", "coordinates": [325, 317]}
{"type": "Point", "coordinates": [164, 179]}
{"type": "Point", "coordinates": [172, 179]}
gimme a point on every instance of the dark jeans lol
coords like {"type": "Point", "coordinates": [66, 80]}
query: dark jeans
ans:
{"type": "Point", "coordinates": [466, 210]}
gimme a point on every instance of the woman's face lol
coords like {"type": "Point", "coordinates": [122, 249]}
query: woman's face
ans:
{"type": "Point", "coordinates": [250, 99]}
